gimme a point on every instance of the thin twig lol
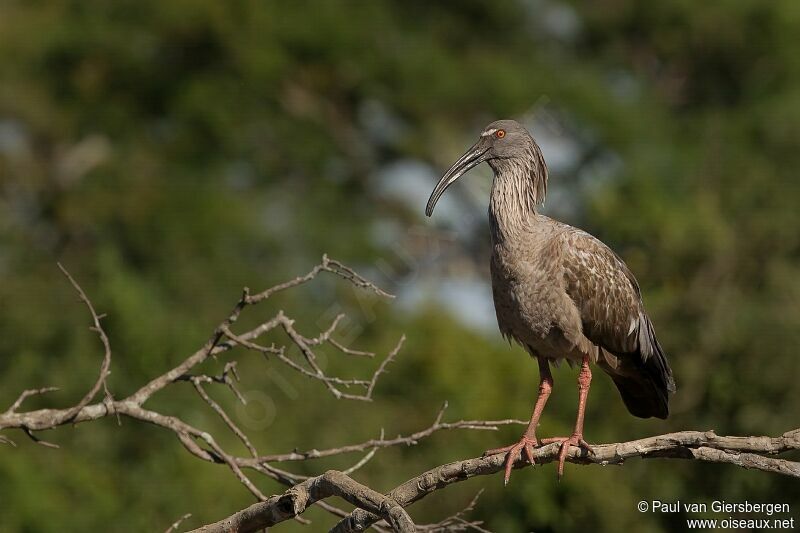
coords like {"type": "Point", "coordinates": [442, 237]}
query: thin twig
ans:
{"type": "Point", "coordinates": [196, 381]}
{"type": "Point", "coordinates": [457, 522]}
{"type": "Point", "coordinates": [105, 367]}
{"type": "Point", "coordinates": [175, 525]}
{"type": "Point", "coordinates": [401, 440]}
{"type": "Point", "coordinates": [27, 394]}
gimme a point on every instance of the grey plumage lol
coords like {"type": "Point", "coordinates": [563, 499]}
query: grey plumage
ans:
{"type": "Point", "coordinates": [562, 294]}
{"type": "Point", "coordinates": [558, 291]}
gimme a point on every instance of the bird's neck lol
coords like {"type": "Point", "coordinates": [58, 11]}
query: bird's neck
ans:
{"type": "Point", "coordinates": [518, 189]}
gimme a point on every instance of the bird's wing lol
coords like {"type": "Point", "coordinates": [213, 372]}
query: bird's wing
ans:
{"type": "Point", "coordinates": [613, 317]}
{"type": "Point", "coordinates": [605, 292]}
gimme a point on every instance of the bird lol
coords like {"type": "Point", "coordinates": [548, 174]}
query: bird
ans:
{"type": "Point", "coordinates": [559, 292]}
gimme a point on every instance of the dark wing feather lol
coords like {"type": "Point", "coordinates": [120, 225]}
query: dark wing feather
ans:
{"type": "Point", "coordinates": [612, 313]}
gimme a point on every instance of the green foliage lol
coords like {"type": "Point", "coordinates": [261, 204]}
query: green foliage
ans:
{"type": "Point", "coordinates": [169, 153]}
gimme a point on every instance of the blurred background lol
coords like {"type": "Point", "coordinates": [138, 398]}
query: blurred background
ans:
{"type": "Point", "coordinates": [169, 153]}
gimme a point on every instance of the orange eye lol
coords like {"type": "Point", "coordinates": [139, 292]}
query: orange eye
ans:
{"type": "Point", "coordinates": [500, 134]}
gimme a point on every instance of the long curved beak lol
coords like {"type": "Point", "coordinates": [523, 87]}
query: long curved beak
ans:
{"type": "Point", "coordinates": [473, 157]}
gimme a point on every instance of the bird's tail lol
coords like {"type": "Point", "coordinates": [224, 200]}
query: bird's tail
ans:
{"type": "Point", "coordinates": [645, 379]}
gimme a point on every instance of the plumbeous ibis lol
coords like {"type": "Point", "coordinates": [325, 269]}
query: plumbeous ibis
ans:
{"type": "Point", "coordinates": [560, 292]}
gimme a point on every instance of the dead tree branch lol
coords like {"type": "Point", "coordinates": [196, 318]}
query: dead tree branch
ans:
{"type": "Point", "coordinates": [175, 525]}
{"type": "Point", "coordinates": [297, 499]}
{"type": "Point", "coordinates": [745, 452]}
{"type": "Point", "coordinates": [373, 509]}
{"type": "Point", "coordinates": [304, 491]}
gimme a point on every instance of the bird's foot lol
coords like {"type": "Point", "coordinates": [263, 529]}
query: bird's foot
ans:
{"type": "Point", "coordinates": [575, 440]}
{"type": "Point", "coordinates": [514, 451]}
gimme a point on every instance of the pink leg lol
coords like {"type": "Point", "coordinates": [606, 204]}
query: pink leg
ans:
{"type": "Point", "coordinates": [528, 440]}
{"type": "Point", "coordinates": [584, 381]}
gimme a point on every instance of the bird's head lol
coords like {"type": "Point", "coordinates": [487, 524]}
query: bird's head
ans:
{"type": "Point", "coordinates": [503, 144]}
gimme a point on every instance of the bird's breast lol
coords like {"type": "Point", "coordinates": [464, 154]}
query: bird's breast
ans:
{"type": "Point", "coordinates": [524, 295]}
{"type": "Point", "coordinates": [531, 303]}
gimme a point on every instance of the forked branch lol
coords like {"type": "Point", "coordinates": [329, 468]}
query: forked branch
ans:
{"type": "Point", "coordinates": [373, 509]}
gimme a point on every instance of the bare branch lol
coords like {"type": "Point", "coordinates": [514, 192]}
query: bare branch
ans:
{"type": "Point", "coordinates": [698, 445]}
{"type": "Point", "coordinates": [746, 452]}
{"type": "Point", "coordinates": [373, 509]}
{"type": "Point", "coordinates": [316, 371]}
{"type": "Point", "coordinates": [457, 522]}
{"type": "Point", "coordinates": [213, 346]}
{"type": "Point", "coordinates": [364, 460]}
{"type": "Point", "coordinates": [325, 336]}
{"type": "Point", "coordinates": [280, 353]}
{"type": "Point", "coordinates": [37, 440]}
{"type": "Point", "coordinates": [199, 443]}
{"type": "Point", "coordinates": [196, 381]}
{"type": "Point", "coordinates": [382, 368]}
{"type": "Point", "coordinates": [400, 440]}
{"type": "Point", "coordinates": [105, 367]}
{"type": "Point", "coordinates": [28, 393]}
{"type": "Point", "coordinates": [175, 525]}
{"type": "Point", "coordinates": [297, 499]}
{"type": "Point", "coordinates": [327, 265]}
{"type": "Point", "coordinates": [350, 351]}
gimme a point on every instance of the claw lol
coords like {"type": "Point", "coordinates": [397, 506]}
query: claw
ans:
{"type": "Point", "coordinates": [514, 452]}
{"type": "Point", "coordinates": [529, 453]}
{"type": "Point", "coordinates": [566, 442]}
